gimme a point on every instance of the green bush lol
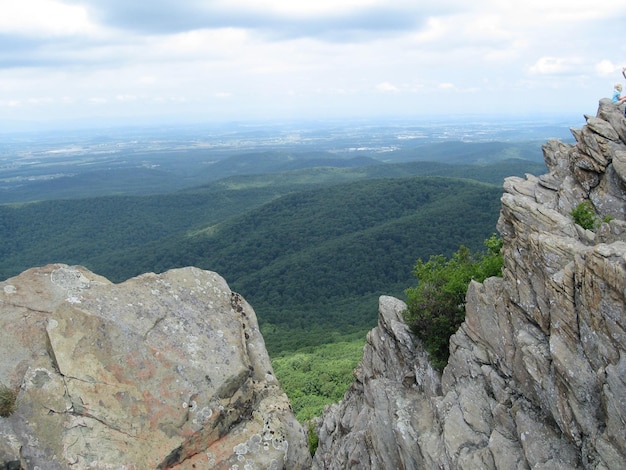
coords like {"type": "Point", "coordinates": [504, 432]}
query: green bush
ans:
{"type": "Point", "coordinates": [585, 215]}
{"type": "Point", "coordinates": [8, 400]}
{"type": "Point", "coordinates": [436, 307]}
{"type": "Point", "coordinates": [313, 439]}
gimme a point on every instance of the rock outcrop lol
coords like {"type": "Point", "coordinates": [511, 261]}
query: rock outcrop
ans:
{"type": "Point", "coordinates": [162, 371]}
{"type": "Point", "coordinates": [537, 372]}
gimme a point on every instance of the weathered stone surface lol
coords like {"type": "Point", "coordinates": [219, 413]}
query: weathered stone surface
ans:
{"type": "Point", "coordinates": [161, 371]}
{"type": "Point", "coordinates": [619, 163]}
{"type": "Point", "coordinates": [536, 375]}
{"type": "Point", "coordinates": [383, 422]}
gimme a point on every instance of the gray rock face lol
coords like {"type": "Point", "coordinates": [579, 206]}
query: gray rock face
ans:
{"type": "Point", "coordinates": [537, 372]}
{"type": "Point", "coordinates": [384, 420]}
{"type": "Point", "coordinates": [162, 371]}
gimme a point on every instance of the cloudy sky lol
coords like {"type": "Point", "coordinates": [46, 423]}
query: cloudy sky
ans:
{"type": "Point", "coordinates": [203, 60]}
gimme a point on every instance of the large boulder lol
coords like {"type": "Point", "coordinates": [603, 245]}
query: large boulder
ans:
{"type": "Point", "coordinates": [162, 371]}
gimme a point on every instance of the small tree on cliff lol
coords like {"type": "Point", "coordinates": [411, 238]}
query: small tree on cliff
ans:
{"type": "Point", "coordinates": [436, 307]}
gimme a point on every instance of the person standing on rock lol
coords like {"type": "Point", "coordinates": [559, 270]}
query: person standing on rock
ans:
{"type": "Point", "coordinates": [617, 94]}
{"type": "Point", "coordinates": [620, 99]}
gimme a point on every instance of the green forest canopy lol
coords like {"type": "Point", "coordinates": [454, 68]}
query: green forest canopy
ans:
{"type": "Point", "coordinates": [311, 258]}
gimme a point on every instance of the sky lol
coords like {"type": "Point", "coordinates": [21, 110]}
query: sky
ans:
{"type": "Point", "coordinates": [79, 61]}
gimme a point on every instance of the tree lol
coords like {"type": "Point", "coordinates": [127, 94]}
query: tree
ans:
{"type": "Point", "coordinates": [436, 306]}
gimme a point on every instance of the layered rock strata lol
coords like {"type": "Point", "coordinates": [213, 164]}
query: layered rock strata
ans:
{"type": "Point", "coordinates": [537, 372]}
{"type": "Point", "coordinates": [162, 371]}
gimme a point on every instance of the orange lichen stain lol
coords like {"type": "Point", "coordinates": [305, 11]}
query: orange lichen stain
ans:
{"type": "Point", "coordinates": [187, 433]}
{"type": "Point", "coordinates": [167, 390]}
{"type": "Point", "coordinates": [174, 352]}
{"type": "Point", "coordinates": [119, 373]}
{"type": "Point", "coordinates": [124, 373]}
{"type": "Point", "coordinates": [159, 412]}
{"type": "Point", "coordinates": [129, 403]}
{"type": "Point", "coordinates": [141, 368]}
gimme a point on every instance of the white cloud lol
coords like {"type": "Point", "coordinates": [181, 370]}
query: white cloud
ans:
{"type": "Point", "coordinates": [147, 80]}
{"type": "Point", "coordinates": [606, 68]}
{"type": "Point", "coordinates": [304, 8]}
{"type": "Point", "coordinates": [125, 98]}
{"type": "Point", "coordinates": [259, 57]}
{"type": "Point", "coordinates": [218, 41]}
{"type": "Point", "coordinates": [44, 18]}
{"type": "Point", "coordinates": [435, 29]}
{"type": "Point", "coordinates": [10, 103]}
{"type": "Point", "coordinates": [487, 26]}
{"type": "Point", "coordinates": [554, 65]}
{"type": "Point", "coordinates": [387, 87]}
{"type": "Point", "coordinates": [556, 11]}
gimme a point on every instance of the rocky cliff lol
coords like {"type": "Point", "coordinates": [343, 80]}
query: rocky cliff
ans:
{"type": "Point", "coordinates": [537, 372]}
{"type": "Point", "coordinates": [160, 372]}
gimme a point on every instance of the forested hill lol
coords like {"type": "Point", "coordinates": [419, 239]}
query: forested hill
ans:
{"type": "Point", "coordinates": [308, 259]}
{"type": "Point", "coordinates": [308, 178]}
{"type": "Point", "coordinates": [78, 230]}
